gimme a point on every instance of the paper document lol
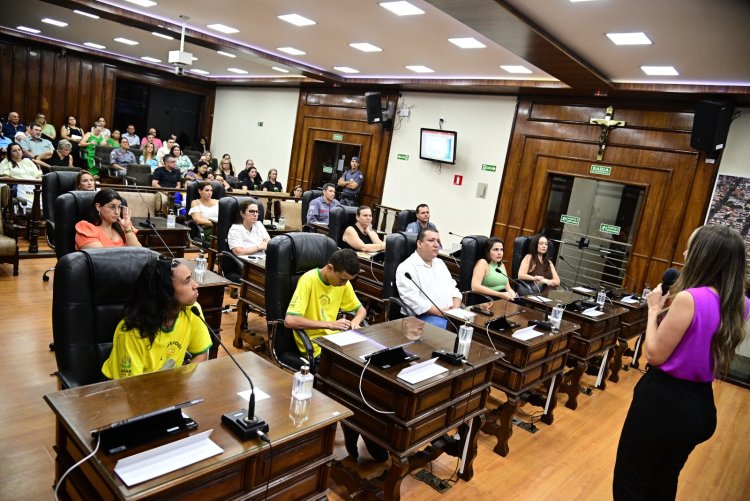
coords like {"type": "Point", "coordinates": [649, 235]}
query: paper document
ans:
{"type": "Point", "coordinates": [593, 312]}
{"type": "Point", "coordinates": [526, 333]}
{"type": "Point", "coordinates": [419, 372]}
{"type": "Point", "coordinates": [254, 258]}
{"type": "Point", "coordinates": [259, 394]}
{"type": "Point", "coordinates": [170, 457]}
{"type": "Point", "coordinates": [346, 338]}
{"type": "Point", "coordinates": [582, 289]}
{"type": "Point", "coordinates": [541, 298]}
{"type": "Point", "coordinates": [461, 313]}
{"type": "Point", "coordinates": [628, 300]}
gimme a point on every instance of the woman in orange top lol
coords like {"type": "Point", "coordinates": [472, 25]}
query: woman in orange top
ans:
{"type": "Point", "coordinates": [107, 225]}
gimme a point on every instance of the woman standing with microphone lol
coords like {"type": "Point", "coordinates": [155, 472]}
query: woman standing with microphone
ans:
{"type": "Point", "coordinates": [673, 403]}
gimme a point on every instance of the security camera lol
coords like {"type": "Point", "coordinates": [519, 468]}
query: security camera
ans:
{"type": "Point", "coordinates": [179, 71]}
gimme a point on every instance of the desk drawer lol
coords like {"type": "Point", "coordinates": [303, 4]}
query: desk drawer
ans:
{"type": "Point", "coordinates": [587, 348]}
{"type": "Point", "coordinates": [253, 294]}
{"type": "Point", "coordinates": [287, 458]}
{"type": "Point", "coordinates": [515, 381]}
{"type": "Point", "coordinates": [520, 354]}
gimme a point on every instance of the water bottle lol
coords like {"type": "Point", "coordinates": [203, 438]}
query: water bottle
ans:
{"type": "Point", "coordinates": [601, 297]}
{"type": "Point", "coordinates": [465, 333]}
{"type": "Point", "coordinates": [199, 273]}
{"type": "Point", "coordinates": [298, 411]}
{"type": "Point", "coordinates": [171, 219]}
{"type": "Point", "coordinates": [556, 315]}
{"type": "Point", "coordinates": [303, 384]}
{"type": "Point", "coordinates": [646, 292]}
{"type": "Point", "coordinates": [282, 222]}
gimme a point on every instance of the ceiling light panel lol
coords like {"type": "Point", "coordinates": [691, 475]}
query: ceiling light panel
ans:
{"type": "Point", "coordinates": [297, 20]}
{"type": "Point", "coordinates": [345, 69]}
{"type": "Point", "coordinates": [54, 22]}
{"type": "Point", "coordinates": [639, 38]}
{"type": "Point", "coordinates": [94, 45]}
{"type": "Point", "coordinates": [282, 70]}
{"type": "Point", "coordinates": [668, 71]}
{"type": "Point", "coordinates": [420, 69]}
{"type": "Point", "coordinates": [239, 71]}
{"type": "Point", "coordinates": [365, 47]}
{"type": "Point", "coordinates": [87, 14]}
{"type": "Point", "coordinates": [402, 8]}
{"type": "Point", "coordinates": [162, 35]}
{"type": "Point", "coordinates": [126, 41]}
{"type": "Point", "coordinates": [199, 72]}
{"type": "Point", "coordinates": [27, 29]}
{"type": "Point", "coordinates": [467, 43]}
{"type": "Point", "coordinates": [151, 59]}
{"type": "Point", "coordinates": [225, 54]}
{"type": "Point", "coordinates": [142, 3]}
{"type": "Point", "coordinates": [291, 51]}
{"type": "Point", "coordinates": [222, 28]}
{"type": "Point", "coordinates": [511, 68]}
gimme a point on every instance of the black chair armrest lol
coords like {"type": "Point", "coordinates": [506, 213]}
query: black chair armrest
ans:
{"type": "Point", "coordinates": [401, 304]}
{"type": "Point", "coordinates": [308, 349]}
{"type": "Point", "coordinates": [65, 381]}
{"type": "Point", "coordinates": [234, 260]}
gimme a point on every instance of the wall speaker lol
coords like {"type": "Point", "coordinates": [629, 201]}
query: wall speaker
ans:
{"type": "Point", "coordinates": [710, 125]}
{"type": "Point", "coordinates": [374, 109]}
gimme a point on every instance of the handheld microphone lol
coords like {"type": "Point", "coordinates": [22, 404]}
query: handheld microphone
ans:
{"type": "Point", "coordinates": [149, 224]}
{"type": "Point", "coordinates": [408, 275]}
{"type": "Point", "coordinates": [668, 278]}
{"type": "Point", "coordinates": [243, 423]}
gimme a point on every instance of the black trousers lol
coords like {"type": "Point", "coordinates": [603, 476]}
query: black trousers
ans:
{"type": "Point", "coordinates": [667, 419]}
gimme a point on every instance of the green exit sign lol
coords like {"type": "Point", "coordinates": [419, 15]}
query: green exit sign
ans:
{"type": "Point", "coordinates": [338, 137]}
{"type": "Point", "coordinates": [602, 170]}
{"type": "Point", "coordinates": [489, 168]}
{"type": "Point", "coordinates": [574, 220]}
{"type": "Point", "coordinates": [402, 156]}
{"type": "Point", "coordinates": [609, 228]}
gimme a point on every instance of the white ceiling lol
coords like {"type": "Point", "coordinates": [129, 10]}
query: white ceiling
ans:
{"type": "Point", "coordinates": [705, 40]}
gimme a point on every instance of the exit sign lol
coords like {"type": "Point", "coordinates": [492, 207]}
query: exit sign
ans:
{"type": "Point", "coordinates": [602, 170]}
{"type": "Point", "coordinates": [572, 220]}
{"type": "Point", "coordinates": [402, 156]}
{"type": "Point", "coordinates": [489, 167]}
{"type": "Point", "coordinates": [338, 137]}
{"type": "Point", "coordinates": [609, 228]}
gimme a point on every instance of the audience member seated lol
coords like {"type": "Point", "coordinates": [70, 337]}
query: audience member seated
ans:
{"type": "Point", "coordinates": [249, 179]}
{"type": "Point", "coordinates": [226, 172]}
{"type": "Point", "coordinates": [13, 125]}
{"type": "Point", "coordinates": [152, 137]}
{"type": "Point", "coordinates": [360, 236]}
{"type": "Point", "coordinates": [320, 208]}
{"type": "Point", "coordinates": [114, 139]}
{"type": "Point", "coordinates": [183, 162]}
{"type": "Point", "coordinates": [131, 136]}
{"type": "Point", "coordinates": [249, 237]}
{"type": "Point", "coordinates": [201, 172]}
{"type": "Point", "coordinates": [486, 278]}
{"type": "Point", "coordinates": [89, 142]}
{"type": "Point", "coordinates": [431, 274]}
{"type": "Point", "coordinates": [536, 268]}
{"type": "Point", "coordinates": [149, 156]}
{"type": "Point", "coordinates": [4, 142]}
{"type": "Point", "coordinates": [48, 130]}
{"type": "Point", "coordinates": [37, 149]}
{"type": "Point", "coordinates": [15, 166]}
{"type": "Point", "coordinates": [158, 327]}
{"type": "Point", "coordinates": [120, 157]}
{"type": "Point", "coordinates": [107, 224]}
{"type": "Point", "coordinates": [297, 191]}
{"type": "Point", "coordinates": [272, 184]}
{"type": "Point", "coordinates": [102, 123]}
{"type": "Point", "coordinates": [71, 132]}
{"type": "Point", "coordinates": [85, 181]}
{"type": "Point", "coordinates": [423, 220]}
{"type": "Point", "coordinates": [62, 155]}
{"type": "Point", "coordinates": [167, 176]}
{"type": "Point", "coordinates": [204, 209]}
{"type": "Point", "coordinates": [202, 146]}
{"type": "Point", "coordinates": [166, 149]}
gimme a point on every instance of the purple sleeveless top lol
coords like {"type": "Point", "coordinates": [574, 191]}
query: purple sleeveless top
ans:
{"type": "Point", "coordinates": [691, 359]}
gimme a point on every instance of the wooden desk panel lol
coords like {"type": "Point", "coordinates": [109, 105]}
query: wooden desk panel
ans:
{"type": "Point", "coordinates": [302, 449]}
{"type": "Point", "coordinates": [252, 294]}
{"type": "Point", "coordinates": [176, 239]}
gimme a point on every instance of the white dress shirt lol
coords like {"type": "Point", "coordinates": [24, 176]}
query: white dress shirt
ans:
{"type": "Point", "coordinates": [434, 279]}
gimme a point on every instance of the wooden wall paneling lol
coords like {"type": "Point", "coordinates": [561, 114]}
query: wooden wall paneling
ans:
{"type": "Point", "coordinates": [72, 92]}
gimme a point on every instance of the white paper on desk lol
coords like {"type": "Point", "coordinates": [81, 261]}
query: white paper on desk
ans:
{"type": "Point", "coordinates": [166, 458]}
{"type": "Point", "coordinates": [254, 258]}
{"type": "Point", "coordinates": [593, 312]}
{"type": "Point", "coordinates": [259, 394]}
{"type": "Point", "coordinates": [461, 313]}
{"type": "Point", "coordinates": [541, 298]}
{"type": "Point", "coordinates": [419, 372]}
{"type": "Point", "coordinates": [526, 333]}
{"type": "Point", "coordinates": [582, 289]}
{"type": "Point", "coordinates": [346, 338]}
{"type": "Point", "coordinates": [628, 300]}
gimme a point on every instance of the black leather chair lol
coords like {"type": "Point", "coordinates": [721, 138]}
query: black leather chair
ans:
{"type": "Point", "coordinates": [138, 174]}
{"type": "Point", "coordinates": [288, 257]}
{"type": "Point", "coordinates": [307, 197]}
{"type": "Point", "coordinates": [90, 290]}
{"type": "Point", "coordinates": [197, 234]}
{"type": "Point", "coordinates": [472, 250]}
{"type": "Point", "coordinates": [339, 219]}
{"type": "Point", "coordinates": [398, 246]}
{"type": "Point", "coordinates": [70, 208]}
{"type": "Point", "coordinates": [404, 218]}
{"type": "Point", "coordinates": [54, 184]}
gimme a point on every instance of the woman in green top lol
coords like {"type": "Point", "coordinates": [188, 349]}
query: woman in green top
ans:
{"type": "Point", "coordinates": [486, 278]}
{"type": "Point", "coordinates": [89, 143]}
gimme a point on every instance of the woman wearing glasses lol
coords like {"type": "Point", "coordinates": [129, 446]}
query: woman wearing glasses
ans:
{"type": "Point", "coordinates": [107, 224]}
{"type": "Point", "coordinates": [248, 237]}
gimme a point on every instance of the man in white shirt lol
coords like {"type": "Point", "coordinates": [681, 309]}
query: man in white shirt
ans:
{"type": "Point", "coordinates": [249, 238]}
{"type": "Point", "coordinates": [166, 148]}
{"type": "Point", "coordinates": [430, 272]}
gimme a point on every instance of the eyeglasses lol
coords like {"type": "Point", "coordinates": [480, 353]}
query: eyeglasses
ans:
{"type": "Point", "coordinates": [173, 263]}
{"type": "Point", "coordinates": [252, 211]}
{"type": "Point", "coordinates": [113, 207]}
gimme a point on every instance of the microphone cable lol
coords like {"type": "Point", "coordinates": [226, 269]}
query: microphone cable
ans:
{"type": "Point", "coordinates": [93, 453]}
{"type": "Point", "coordinates": [264, 437]}
{"type": "Point", "coordinates": [361, 376]}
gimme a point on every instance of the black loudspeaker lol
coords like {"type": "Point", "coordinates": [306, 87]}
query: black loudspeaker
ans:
{"type": "Point", "coordinates": [374, 110]}
{"type": "Point", "coordinates": [710, 125]}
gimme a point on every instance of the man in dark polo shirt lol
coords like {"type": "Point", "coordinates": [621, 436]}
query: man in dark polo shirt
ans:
{"type": "Point", "coordinates": [167, 176]}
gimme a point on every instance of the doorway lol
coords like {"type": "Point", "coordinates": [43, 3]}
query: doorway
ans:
{"type": "Point", "coordinates": [329, 160]}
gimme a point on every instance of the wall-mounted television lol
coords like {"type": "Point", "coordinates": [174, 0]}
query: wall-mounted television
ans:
{"type": "Point", "coordinates": [438, 145]}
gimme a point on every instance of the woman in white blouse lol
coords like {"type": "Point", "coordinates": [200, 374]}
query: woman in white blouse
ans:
{"type": "Point", "coordinates": [205, 208]}
{"type": "Point", "coordinates": [249, 237]}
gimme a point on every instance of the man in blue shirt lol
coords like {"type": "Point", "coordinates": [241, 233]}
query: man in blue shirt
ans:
{"type": "Point", "coordinates": [351, 181]}
{"type": "Point", "coordinates": [36, 148]}
{"type": "Point", "coordinates": [422, 222]}
{"type": "Point", "coordinates": [320, 208]}
{"type": "Point", "coordinates": [13, 126]}
{"type": "Point", "coordinates": [120, 157]}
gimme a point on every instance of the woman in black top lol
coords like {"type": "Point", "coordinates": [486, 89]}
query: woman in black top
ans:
{"type": "Point", "coordinates": [249, 178]}
{"type": "Point", "coordinates": [360, 236]}
{"type": "Point", "coordinates": [61, 156]}
{"type": "Point", "coordinates": [271, 184]}
{"type": "Point", "coordinates": [74, 134]}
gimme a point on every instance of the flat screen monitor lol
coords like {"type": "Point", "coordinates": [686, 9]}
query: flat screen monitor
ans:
{"type": "Point", "coordinates": [438, 145]}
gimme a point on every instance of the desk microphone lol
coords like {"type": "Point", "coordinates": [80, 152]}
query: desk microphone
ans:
{"type": "Point", "coordinates": [455, 234]}
{"type": "Point", "coordinates": [408, 275]}
{"type": "Point", "coordinates": [612, 263]}
{"type": "Point", "coordinates": [243, 423]}
{"type": "Point", "coordinates": [149, 224]}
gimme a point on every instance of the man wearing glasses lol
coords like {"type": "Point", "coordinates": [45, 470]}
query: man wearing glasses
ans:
{"type": "Point", "coordinates": [250, 237]}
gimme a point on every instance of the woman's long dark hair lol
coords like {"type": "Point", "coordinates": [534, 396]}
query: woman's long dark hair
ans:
{"type": "Point", "coordinates": [152, 303]}
{"type": "Point", "coordinates": [536, 263]}
{"type": "Point", "coordinates": [7, 153]}
{"type": "Point", "coordinates": [488, 247]}
{"type": "Point", "coordinates": [103, 197]}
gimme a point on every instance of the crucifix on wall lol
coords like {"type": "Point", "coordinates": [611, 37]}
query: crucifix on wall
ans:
{"type": "Point", "coordinates": [607, 124]}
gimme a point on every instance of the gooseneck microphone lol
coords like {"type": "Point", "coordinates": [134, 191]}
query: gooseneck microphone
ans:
{"type": "Point", "coordinates": [585, 278]}
{"type": "Point", "coordinates": [147, 223]}
{"type": "Point", "coordinates": [408, 275]}
{"type": "Point", "coordinates": [243, 423]}
{"type": "Point", "coordinates": [668, 278]}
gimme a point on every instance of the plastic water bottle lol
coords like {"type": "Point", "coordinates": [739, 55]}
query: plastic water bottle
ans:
{"type": "Point", "coordinates": [282, 222]}
{"type": "Point", "coordinates": [465, 333]}
{"type": "Point", "coordinates": [171, 220]}
{"type": "Point", "coordinates": [303, 384]}
{"type": "Point", "coordinates": [601, 297]}
{"type": "Point", "coordinates": [199, 273]}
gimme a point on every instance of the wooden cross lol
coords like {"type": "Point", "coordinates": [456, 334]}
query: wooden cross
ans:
{"type": "Point", "coordinates": [607, 124]}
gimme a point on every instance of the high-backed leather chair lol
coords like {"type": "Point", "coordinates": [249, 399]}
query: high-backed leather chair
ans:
{"type": "Point", "coordinates": [472, 250]}
{"type": "Point", "coordinates": [8, 234]}
{"type": "Point", "coordinates": [90, 290]}
{"type": "Point", "coordinates": [404, 218]}
{"type": "Point", "coordinates": [398, 246]}
{"type": "Point", "coordinates": [229, 214]}
{"type": "Point", "coordinates": [70, 208]}
{"type": "Point", "coordinates": [288, 257]}
{"type": "Point", "coordinates": [138, 174]}
{"type": "Point", "coordinates": [307, 197]}
{"type": "Point", "coordinates": [54, 184]}
{"type": "Point", "coordinates": [520, 249]}
{"type": "Point", "coordinates": [339, 219]}
{"type": "Point", "coordinates": [197, 236]}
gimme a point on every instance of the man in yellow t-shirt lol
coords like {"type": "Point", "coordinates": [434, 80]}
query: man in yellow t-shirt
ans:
{"type": "Point", "coordinates": [319, 296]}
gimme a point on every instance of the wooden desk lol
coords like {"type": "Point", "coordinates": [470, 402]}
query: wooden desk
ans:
{"type": "Point", "coordinates": [211, 299]}
{"type": "Point", "coordinates": [302, 450]}
{"type": "Point", "coordinates": [423, 412]}
{"type": "Point", "coordinates": [252, 295]}
{"type": "Point", "coordinates": [525, 368]}
{"type": "Point", "coordinates": [595, 338]}
{"type": "Point", "coordinates": [176, 238]}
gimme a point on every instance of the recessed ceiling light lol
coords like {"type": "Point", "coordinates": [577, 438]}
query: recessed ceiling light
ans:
{"type": "Point", "coordinates": [151, 59]}
{"type": "Point", "coordinates": [467, 43]}
{"type": "Point", "coordinates": [237, 70]}
{"type": "Point", "coordinates": [510, 68]}
{"type": "Point", "coordinates": [223, 28]}
{"type": "Point", "coordinates": [82, 13]}
{"type": "Point", "coordinates": [291, 51]}
{"type": "Point", "coordinates": [94, 45]}
{"type": "Point", "coordinates": [226, 54]}
{"type": "Point", "coordinates": [345, 69]}
{"type": "Point", "coordinates": [54, 22]}
{"type": "Point", "coordinates": [162, 35]}
{"type": "Point", "coordinates": [639, 38]}
{"type": "Point", "coordinates": [576, 1]}
{"type": "Point", "coordinates": [402, 8]}
{"type": "Point", "coordinates": [659, 70]}
{"type": "Point", "coordinates": [27, 29]}
{"type": "Point", "coordinates": [199, 72]}
{"type": "Point", "coordinates": [420, 69]}
{"type": "Point", "coordinates": [143, 3]}
{"type": "Point", "coordinates": [282, 70]}
{"type": "Point", "coordinates": [125, 41]}
{"type": "Point", "coordinates": [366, 47]}
{"type": "Point", "coordinates": [297, 20]}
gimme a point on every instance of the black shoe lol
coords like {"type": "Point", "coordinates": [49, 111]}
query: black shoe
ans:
{"type": "Point", "coordinates": [351, 438]}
